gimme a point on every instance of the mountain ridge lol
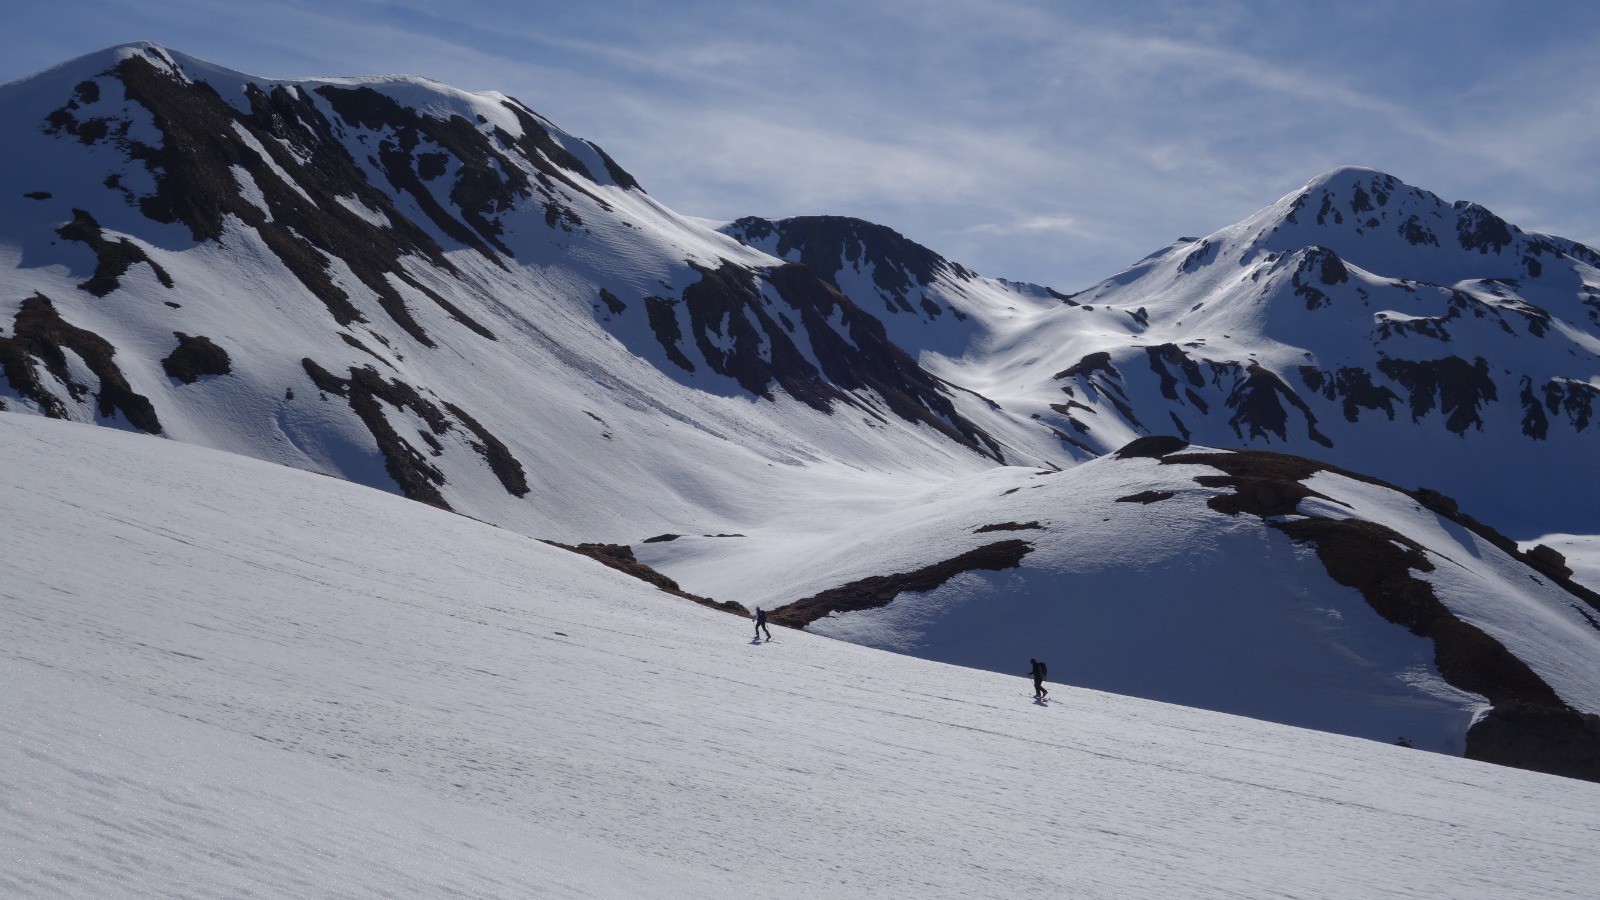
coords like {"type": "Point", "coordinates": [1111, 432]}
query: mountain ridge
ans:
{"type": "Point", "coordinates": [446, 296]}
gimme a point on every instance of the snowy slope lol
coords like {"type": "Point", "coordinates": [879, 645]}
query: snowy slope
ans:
{"type": "Point", "coordinates": [1134, 581]}
{"type": "Point", "coordinates": [443, 295]}
{"type": "Point", "coordinates": [223, 677]}
{"type": "Point", "coordinates": [436, 293]}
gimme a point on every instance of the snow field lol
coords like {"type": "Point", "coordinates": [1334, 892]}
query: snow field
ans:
{"type": "Point", "coordinates": [1169, 601]}
{"type": "Point", "coordinates": [224, 677]}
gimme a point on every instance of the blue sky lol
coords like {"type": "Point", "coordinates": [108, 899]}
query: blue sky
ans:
{"type": "Point", "coordinates": [1053, 142]}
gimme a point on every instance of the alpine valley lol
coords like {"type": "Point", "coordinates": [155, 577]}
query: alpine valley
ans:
{"type": "Point", "coordinates": [1329, 467]}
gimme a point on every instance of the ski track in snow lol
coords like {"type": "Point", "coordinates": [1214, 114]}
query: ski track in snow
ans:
{"type": "Point", "coordinates": [221, 677]}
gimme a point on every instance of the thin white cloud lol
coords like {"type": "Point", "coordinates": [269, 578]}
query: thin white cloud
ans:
{"type": "Point", "coordinates": [1043, 141]}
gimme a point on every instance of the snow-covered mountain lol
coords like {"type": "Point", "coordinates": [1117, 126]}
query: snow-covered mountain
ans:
{"type": "Point", "coordinates": [495, 311]}
{"type": "Point", "coordinates": [443, 295]}
{"type": "Point", "coordinates": [226, 678]}
{"type": "Point", "coordinates": [438, 293]}
{"type": "Point", "coordinates": [1358, 320]}
{"type": "Point", "coordinates": [1241, 581]}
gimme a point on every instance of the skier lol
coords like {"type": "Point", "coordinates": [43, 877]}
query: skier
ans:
{"type": "Point", "coordinates": [1038, 671]}
{"type": "Point", "coordinates": [761, 623]}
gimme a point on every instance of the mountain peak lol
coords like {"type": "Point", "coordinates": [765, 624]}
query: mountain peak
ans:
{"type": "Point", "coordinates": [1346, 176]}
{"type": "Point", "coordinates": [1380, 223]}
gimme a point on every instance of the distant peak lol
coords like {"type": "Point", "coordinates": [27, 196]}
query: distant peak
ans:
{"type": "Point", "coordinates": [1348, 175]}
{"type": "Point", "coordinates": [826, 243]}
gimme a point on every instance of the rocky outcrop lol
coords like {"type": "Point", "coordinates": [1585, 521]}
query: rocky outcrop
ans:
{"type": "Point", "coordinates": [880, 590]}
{"type": "Point", "coordinates": [113, 259]}
{"type": "Point", "coordinates": [621, 558]}
{"type": "Point", "coordinates": [41, 338]}
{"type": "Point", "coordinates": [1530, 727]}
{"type": "Point", "coordinates": [368, 392]}
{"type": "Point", "coordinates": [195, 357]}
{"type": "Point", "coordinates": [827, 245]}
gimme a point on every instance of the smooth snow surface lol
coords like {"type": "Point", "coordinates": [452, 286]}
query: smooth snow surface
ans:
{"type": "Point", "coordinates": [1169, 600]}
{"type": "Point", "coordinates": [222, 677]}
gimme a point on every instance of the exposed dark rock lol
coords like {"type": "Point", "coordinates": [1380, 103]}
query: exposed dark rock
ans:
{"type": "Point", "coordinates": [501, 462]}
{"type": "Point", "coordinates": [1354, 385]}
{"type": "Point", "coordinates": [663, 319]}
{"type": "Point", "coordinates": [553, 161]}
{"type": "Point", "coordinates": [1064, 298]}
{"type": "Point", "coordinates": [113, 259]}
{"type": "Point", "coordinates": [879, 590]}
{"type": "Point", "coordinates": [867, 360]}
{"type": "Point", "coordinates": [620, 557]}
{"type": "Point", "coordinates": [1147, 497]}
{"type": "Point", "coordinates": [1328, 209]}
{"type": "Point", "coordinates": [1377, 561]}
{"type": "Point", "coordinates": [1258, 407]}
{"type": "Point", "coordinates": [89, 131]}
{"type": "Point", "coordinates": [1008, 526]}
{"type": "Point", "coordinates": [1177, 423]}
{"type": "Point", "coordinates": [195, 185]}
{"type": "Point", "coordinates": [1448, 508]}
{"type": "Point", "coordinates": [1549, 561]}
{"type": "Point", "coordinates": [417, 478]}
{"type": "Point", "coordinates": [1170, 354]}
{"type": "Point", "coordinates": [1071, 441]}
{"type": "Point", "coordinates": [1094, 362]}
{"type": "Point", "coordinates": [1295, 208]}
{"type": "Point", "coordinates": [1152, 446]}
{"type": "Point", "coordinates": [1480, 230]}
{"type": "Point", "coordinates": [1203, 254]}
{"type": "Point", "coordinates": [1319, 266]}
{"type": "Point", "coordinates": [720, 306]}
{"type": "Point", "coordinates": [1536, 731]}
{"type": "Point", "coordinates": [367, 391]}
{"type": "Point", "coordinates": [38, 195]}
{"type": "Point", "coordinates": [1066, 408]}
{"type": "Point", "coordinates": [825, 244]}
{"type": "Point", "coordinates": [1535, 423]}
{"type": "Point", "coordinates": [619, 176]}
{"type": "Point", "coordinates": [1529, 736]}
{"type": "Point", "coordinates": [431, 165]}
{"type": "Point", "coordinates": [194, 357]}
{"type": "Point", "coordinates": [40, 336]}
{"type": "Point", "coordinates": [1416, 233]}
{"type": "Point", "coordinates": [485, 182]}
{"type": "Point", "coordinates": [355, 342]}
{"type": "Point", "coordinates": [1459, 388]}
{"type": "Point", "coordinates": [1575, 398]}
{"type": "Point", "coordinates": [616, 306]}
{"type": "Point", "coordinates": [661, 538]}
{"type": "Point", "coordinates": [1090, 368]}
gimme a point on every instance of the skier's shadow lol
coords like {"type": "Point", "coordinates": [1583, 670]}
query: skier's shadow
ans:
{"type": "Point", "coordinates": [755, 641]}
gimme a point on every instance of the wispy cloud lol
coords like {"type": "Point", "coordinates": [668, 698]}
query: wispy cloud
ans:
{"type": "Point", "coordinates": [1047, 141]}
